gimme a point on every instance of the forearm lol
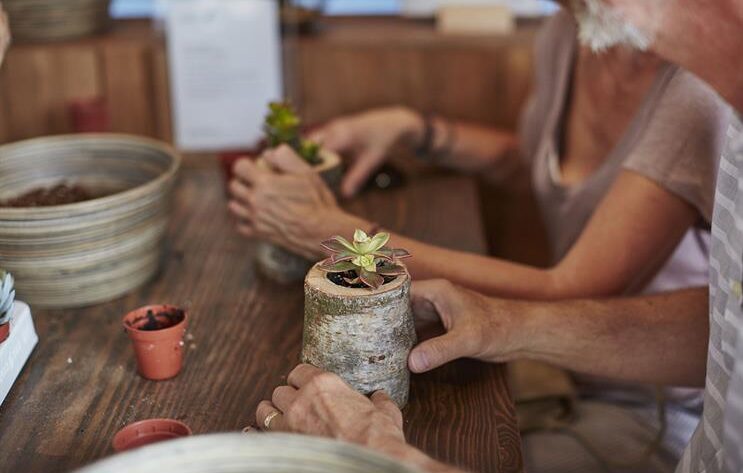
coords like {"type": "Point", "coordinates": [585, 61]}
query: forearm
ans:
{"type": "Point", "coordinates": [657, 339]}
{"type": "Point", "coordinates": [460, 145]}
{"type": "Point", "coordinates": [477, 272]}
{"type": "Point", "coordinates": [474, 148]}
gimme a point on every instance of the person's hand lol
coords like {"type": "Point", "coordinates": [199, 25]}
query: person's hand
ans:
{"type": "Point", "coordinates": [368, 138]}
{"type": "Point", "coordinates": [319, 403]}
{"type": "Point", "coordinates": [286, 203]}
{"type": "Point", "coordinates": [473, 326]}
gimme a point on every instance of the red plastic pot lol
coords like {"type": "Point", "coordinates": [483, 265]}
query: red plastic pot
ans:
{"type": "Point", "coordinates": [157, 339]}
{"type": "Point", "coordinates": [148, 431]}
{"type": "Point", "coordinates": [4, 332]}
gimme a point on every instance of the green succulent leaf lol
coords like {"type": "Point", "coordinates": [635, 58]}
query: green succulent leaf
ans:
{"type": "Point", "coordinates": [283, 126]}
{"type": "Point", "coordinates": [334, 246]}
{"type": "Point", "coordinates": [336, 267]}
{"type": "Point", "coordinates": [370, 245]}
{"type": "Point", "coordinates": [367, 262]}
{"type": "Point", "coordinates": [346, 244]}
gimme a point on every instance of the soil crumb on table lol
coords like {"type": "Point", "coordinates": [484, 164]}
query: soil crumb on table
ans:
{"type": "Point", "coordinates": [60, 194]}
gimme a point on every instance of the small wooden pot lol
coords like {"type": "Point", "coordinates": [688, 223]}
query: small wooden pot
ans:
{"type": "Point", "coordinates": [281, 265]}
{"type": "Point", "coordinates": [362, 335]}
{"type": "Point", "coordinates": [159, 352]}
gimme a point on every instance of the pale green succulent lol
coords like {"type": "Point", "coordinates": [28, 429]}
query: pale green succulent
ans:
{"type": "Point", "coordinates": [7, 296]}
{"type": "Point", "coordinates": [366, 256]}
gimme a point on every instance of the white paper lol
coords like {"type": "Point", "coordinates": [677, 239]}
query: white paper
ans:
{"type": "Point", "coordinates": [14, 351]}
{"type": "Point", "coordinates": [225, 66]}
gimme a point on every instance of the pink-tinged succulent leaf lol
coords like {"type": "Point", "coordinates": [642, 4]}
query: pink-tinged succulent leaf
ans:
{"type": "Point", "coordinates": [348, 245]}
{"type": "Point", "coordinates": [383, 255]}
{"type": "Point", "coordinates": [333, 246]}
{"type": "Point", "coordinates": [400, 253]}
{"type": "Point", "coordinates": [391, 270]}
{"type": "Point", "coordinates": [345, 256]}
{"type": "Point", "coordinates": [373, 280]}
{"type": "Point", "coordinates": [353, 281]}
{"type": "Point", "coordinates": [330, 267]}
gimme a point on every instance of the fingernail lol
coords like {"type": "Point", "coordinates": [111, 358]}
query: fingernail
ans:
{"type": "Point", "coordinates": [418, 361]}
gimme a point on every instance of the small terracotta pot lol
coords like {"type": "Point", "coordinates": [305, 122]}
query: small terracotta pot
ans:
{"type": "Point", "coordinates": [149, 431]}
{"type": "Point", "coordinates": [4, 332]}
{"type": "Point", "coordinates": [159, 351]}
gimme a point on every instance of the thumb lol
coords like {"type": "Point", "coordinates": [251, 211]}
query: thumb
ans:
{"type": "Point", "coordinates": [384, 403]}
{"type": "Point", "coordinates": [284, 160]}
{"type": "Point", "coordinates": [435, 352]}
{"type": "Point", "coordinates": [359, 172]}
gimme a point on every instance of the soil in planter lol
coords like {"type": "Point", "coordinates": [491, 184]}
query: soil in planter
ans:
{"type": "Point", "coordinates": [158, 321]}
{"type": "Point", "coordinates": [340, 279]}
{"type": "Point", "coordinates": [60, 194]}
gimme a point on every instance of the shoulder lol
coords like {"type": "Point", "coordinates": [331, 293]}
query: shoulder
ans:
{"type": "Point", "coordinates": [683, 138]}
{"type": "Point", "coordinates": [557, 32]}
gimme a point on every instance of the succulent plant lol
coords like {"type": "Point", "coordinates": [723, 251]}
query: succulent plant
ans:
{"type": "Point", "coordinates": [283, 126]}
{"type": "Point", "coordinates": [7, 296]}
{"type": "Point", "coordinates": [366, 258]}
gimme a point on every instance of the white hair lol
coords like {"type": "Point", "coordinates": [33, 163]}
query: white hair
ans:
{"type": "Point", "coordinates": [601, 27]}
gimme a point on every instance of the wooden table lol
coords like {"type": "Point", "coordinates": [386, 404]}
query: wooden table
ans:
{"type": "Point", "coordinates": [80, 385]}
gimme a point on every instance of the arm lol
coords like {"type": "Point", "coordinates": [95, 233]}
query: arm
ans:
{"type": "Point", "coordinates": [369, 137]}
{"type": "Point", "coordinates": [631, 235]}
{"type": "Point", "coordinates": [660, 339]}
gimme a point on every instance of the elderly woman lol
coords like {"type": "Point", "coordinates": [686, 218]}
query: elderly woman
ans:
{"type": "Point", "coordinates": [623, 148]}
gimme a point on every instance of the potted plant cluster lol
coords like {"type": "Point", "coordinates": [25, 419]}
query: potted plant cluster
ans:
{"type": "Point", "coordinates": [156, 333]}
{"type": "Point", "coordinates": [283, 126]}
{"type": "Point", "coordinates": [358, 321]}
{"type": "Point", "coordinates": [7, 298]}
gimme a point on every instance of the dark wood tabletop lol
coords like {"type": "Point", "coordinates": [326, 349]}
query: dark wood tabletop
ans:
{"type": "Point", "coordinates": [80, 385]}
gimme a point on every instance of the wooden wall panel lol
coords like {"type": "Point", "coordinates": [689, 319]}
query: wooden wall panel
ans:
{"type": "Point", "coordinates": [354, 64]}
{"type": "Point", "coordinates": [128, 74]}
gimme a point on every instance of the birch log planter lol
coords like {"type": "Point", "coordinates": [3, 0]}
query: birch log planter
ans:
{"type": "Point", "coordinates": [249, 453]}
{"type": "Point", "coordinates": [281, 265]}
{"type": "Point", "coordinates": [362, 335]}
{"type": "Point", "coordinates": [93, 251]}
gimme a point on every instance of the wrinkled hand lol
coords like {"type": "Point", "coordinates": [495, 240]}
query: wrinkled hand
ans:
{"type": "Point", "coordinates": [367, 138]}
{"type": "Point", "coordinates": [319, 403]}
{"type": "Point", "coordinates": [284, 202]}
{"type": "Point", "coordinates": [473, 326]}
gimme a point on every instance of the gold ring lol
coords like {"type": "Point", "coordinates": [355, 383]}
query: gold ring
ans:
{"type": "Point", "coordinates": [268, 419]}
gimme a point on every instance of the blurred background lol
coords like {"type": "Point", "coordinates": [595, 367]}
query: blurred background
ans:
{"type": "Point", "coordinates": [129, 66]}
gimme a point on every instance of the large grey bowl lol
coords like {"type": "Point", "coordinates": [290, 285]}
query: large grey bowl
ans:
{"type": "Point", "coordinates": [249, 453]}
{"type": "Point", "coordinates": [89, 252]}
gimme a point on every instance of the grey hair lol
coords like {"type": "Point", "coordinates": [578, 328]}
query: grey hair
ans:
{"type": "Point", "coordinates": [601, 27]}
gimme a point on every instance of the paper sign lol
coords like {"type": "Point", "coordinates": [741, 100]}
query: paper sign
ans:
{"type": "Point", "coordinates": [225, 66]}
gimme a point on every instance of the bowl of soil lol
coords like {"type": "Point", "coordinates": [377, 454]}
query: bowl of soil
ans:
{"type": "Point", "coordinates": [83, 217]}
{"type": "Point", "coordinates": [156, 333]}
